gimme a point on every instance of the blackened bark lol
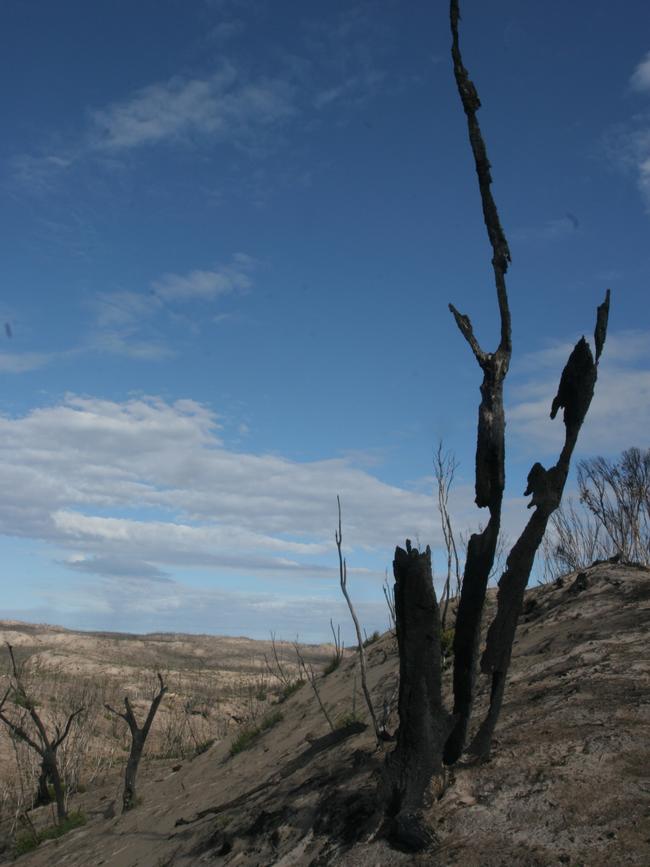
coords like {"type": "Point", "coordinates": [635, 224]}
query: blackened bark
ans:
{"type": "Point", "coordinates": [490, 444]}
{"type": "Point", "coordinates": [545, 487]}
{"type": "Point", "coordinates": [129, 797]}
{"type": "Point", "coordinates": [42, 791]}
{"type": "Point", "coordinates": [424, 722]}
{"type": "Point", "coordinates": [50, 763]}
{"type": "Point", "coordinates": [138, 739]}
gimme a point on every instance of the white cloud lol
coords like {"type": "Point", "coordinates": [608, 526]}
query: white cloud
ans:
{"type": "Point", "coordinates": [202, 285]}
{"type": "Point", "coordinates": [640, 79]}
{"type": "Point", "coordinates": [628, 148]}
{"type": "Point", "coordinates": [220, 106]}
{"type": "Point", "coordinates": [70, 472]}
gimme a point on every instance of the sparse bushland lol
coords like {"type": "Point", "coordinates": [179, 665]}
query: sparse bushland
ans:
{"type": "Point", "coordinates": [29, 726]}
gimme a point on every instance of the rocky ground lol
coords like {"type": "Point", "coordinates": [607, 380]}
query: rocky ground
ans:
{"type": "Point", "coordinates": [568, 783]}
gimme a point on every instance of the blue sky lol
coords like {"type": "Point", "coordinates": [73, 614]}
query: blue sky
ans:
{"type": "Point", "coordinates": [230, 232]}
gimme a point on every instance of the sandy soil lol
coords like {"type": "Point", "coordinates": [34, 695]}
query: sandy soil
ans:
{"type": "Point", "coordinates": [568, 783]}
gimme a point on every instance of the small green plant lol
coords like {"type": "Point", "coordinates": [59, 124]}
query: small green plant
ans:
{"type": "Point", "coordinates": [204, 746]}
{"type": "Point", "coordinates": [247, 737]}
{"type": "Point", "coordinates": [347, 719]}
{"type": "Point", "coordinates": [376, 635]}
{"type": "Point", "coordinates": [447, 642]}
{"type": "Point", "coordinates": [52, 793]}
{"type": "Point", "coordinates": [289, 689]}
{"type": "Point", "coordinates": [27, 841]}
{"type": "Point", "coordinates": [332, 665]}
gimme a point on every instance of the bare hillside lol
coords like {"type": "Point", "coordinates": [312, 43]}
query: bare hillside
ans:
{"type": "Point", "coordinates": [568, 782]}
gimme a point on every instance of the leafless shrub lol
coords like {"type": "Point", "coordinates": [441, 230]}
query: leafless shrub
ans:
{"type": "Point", "coordinates": [617, 494]}
{"type": "Point", "coordinates": [444, 468]}
{"type": "Point", "coordinates": [310, 676]}
{"type": "Point", "coordinates": [573, 541]}
{"type": "Point", "coordinates": [389, 596]}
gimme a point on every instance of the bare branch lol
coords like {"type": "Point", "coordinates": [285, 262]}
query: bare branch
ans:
{"type": "Point", "coordinates": [154, 707]}
{"type": "Point", "coordinates": [465, 326]}
{"type": "Point", "coordinates": [343, 576]}
{"type": "Point", "coordinates": [500, 251]}
{"type": "Point", "coordinates": [57, 743]}
{"type": "Point", "coordinates": [311, 677]}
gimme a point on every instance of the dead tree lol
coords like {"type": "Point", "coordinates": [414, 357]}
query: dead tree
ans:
{"type": "Point", "coordinates": [138, 738]}
{"type": "Point", "coordinates": [422, 741]}
{"type": "Point", "coordinates": [424, 722]}
{"type": "Point", "coordinates": [42, 743]}
{"type": "Point", "coordinates": [575, 392]}
{"type": "Point", "coordinates": [343, 576]}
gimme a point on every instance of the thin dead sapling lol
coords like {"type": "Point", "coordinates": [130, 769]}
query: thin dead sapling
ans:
{"type": "Point", "coordinates": [138, 739]}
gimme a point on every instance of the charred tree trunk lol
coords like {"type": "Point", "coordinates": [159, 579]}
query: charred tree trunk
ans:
{"type": "Point", "coordinates": [129, 796]}
{"type": "Point", "coordinates": [490, 444]}
{"type": "Point", "coordinates": [138, 739]}
{"type": "Point", "coordinates": [424, 722]}
{"type": "Point", "coordinates": [52, 772]}
{"type": "Point", "coordinates": [42, 791]}
{"type": "Point", "coordinates": [574, 394]}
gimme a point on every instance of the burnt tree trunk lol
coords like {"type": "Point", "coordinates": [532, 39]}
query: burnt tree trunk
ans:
{"type": "Point", "coordinates": [42, 791]}
{"type": "Point", "coordinates": [424, 722]}
{"type": "Point", "coordinates": [574, 394]}
{"type": "Point", "coordinates": [490, 444]}
{"type": "Point", "coordinates": [138, 739]}
{"type": "Point", "coordinates": [129, 796]}
{"type": "Point", "coordinates": [51, 769]}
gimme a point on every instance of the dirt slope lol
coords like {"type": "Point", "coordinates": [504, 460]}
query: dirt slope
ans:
{"type": "Point", "coordinates": [569, 781]}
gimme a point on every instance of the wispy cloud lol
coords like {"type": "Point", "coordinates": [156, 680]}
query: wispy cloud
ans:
{"type": "Point", "coordinates": [123, 318]}
{"type": "Point", "coordinates": [352, 91]}
{"type": "Point", "coordinates": [628, 145]}
{"type": "Point", "coordinates": [220, 107]}
{"type": "Point", "coordinates": [21, 362]}
{"type": "Point", "coordinates": [552, 230]}
{"type": "Point", "coordinates": [224, 106]}
{"type": "Point", "coordinates": [206, 285]}
{"type": "Point", "coordinates": [640, 79]}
